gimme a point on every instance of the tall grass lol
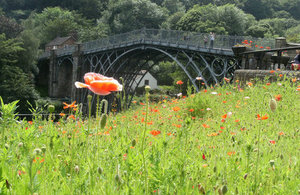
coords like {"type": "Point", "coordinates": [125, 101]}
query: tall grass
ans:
{"type": "Point", "coordinates": [211, 142]}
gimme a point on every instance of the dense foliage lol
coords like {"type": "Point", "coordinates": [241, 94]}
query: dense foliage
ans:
{"type": "Point", "coordinates": [28, 25]}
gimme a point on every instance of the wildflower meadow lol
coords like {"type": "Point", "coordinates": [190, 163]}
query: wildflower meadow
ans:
{"type": "Point", "coordinates": [237, 138]}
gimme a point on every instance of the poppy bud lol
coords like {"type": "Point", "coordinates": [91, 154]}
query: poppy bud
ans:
{"type": "Point", "coordinates": [89, 97]}
{"type": "Point", "coordinates": [100, 170]}
{"type": "Point", "coordinates": [272, 162]}
{"type": "Point", "coordinates": [20, 145]}
{"type": "Point", "coordinates": [133, 142]}
{"type": "Point", "coordinates": [76, 169]}
{"type": "Point", "coordinates": [118, 178]}
{"type": "Point", "coordinates": [273, 104]}
{"type": "Point", "coordinates": [44, 149]}
{"type": "Point", "coordinates": [224, 189]}
{"type": "Point", "coordinates": [103, 120]}
{"type": "Point", "coordinates": [201, 189]}
{"type": "Point", "coordinates": [37, 151]}
{"type": "Point", "coordinates": [281, 156]}
{"type": "Point", "coordinates": [51, 108]}
{"type": "Point", "coordinates": [245, 176]}
{"type": "Point", "coordinates": [215, 169]}
{"type": "Point", "coordinates": [147, 88]}
{"type": "Point", "coordinates": [6, 146]}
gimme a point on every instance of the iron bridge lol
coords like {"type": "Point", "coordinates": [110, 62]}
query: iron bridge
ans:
{"type": "Point", "coordinates": [125, 55]}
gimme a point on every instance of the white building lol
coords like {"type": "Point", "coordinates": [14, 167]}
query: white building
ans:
{"type": "Point", "coordinates": [148, 79]}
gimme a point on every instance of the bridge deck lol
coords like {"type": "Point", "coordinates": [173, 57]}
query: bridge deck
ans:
{"type": "Point", "coordinates": [166, 38]}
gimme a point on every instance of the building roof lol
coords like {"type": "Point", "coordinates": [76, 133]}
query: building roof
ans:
{"type": "Point", "coordinates": [58, 41]}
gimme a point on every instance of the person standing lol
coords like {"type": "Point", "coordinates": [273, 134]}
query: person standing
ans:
{"type": "Point", "coordinates": [212, 39]}
{"type": "Point", "coordinates": [205, 41]}
{"type": "Point", "coordinates": [296, 61]}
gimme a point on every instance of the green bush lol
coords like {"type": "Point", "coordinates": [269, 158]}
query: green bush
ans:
{"type": "Point", "coordinates": [17, 85]}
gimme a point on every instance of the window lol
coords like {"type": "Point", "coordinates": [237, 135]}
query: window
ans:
{"type": "Point", "coordinates": [146, 82]}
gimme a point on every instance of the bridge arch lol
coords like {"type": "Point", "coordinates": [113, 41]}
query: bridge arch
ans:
{"type": "Point", "coordinates": [129, 61]}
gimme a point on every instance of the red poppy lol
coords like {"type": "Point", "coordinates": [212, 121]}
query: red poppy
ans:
{"type": "Point", "coordinates": [224, 116]}
{"type": "Point", "coordinates": [278, 97]}
{"type": "Point", "coordinates": [203, 157]}
{"type": "Point", "coordinates": [155, 132]}
{"type": "Point", "coordinates": [99, 84]}
{"type": "Point", "coordinates": [272, 141]}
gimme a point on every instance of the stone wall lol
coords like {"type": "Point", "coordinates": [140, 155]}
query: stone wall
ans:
{"type": "Point", "coordinates": [247, 75]}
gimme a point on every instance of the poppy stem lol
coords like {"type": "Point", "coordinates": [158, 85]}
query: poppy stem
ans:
{"type": "Point", "coordinates": [144, 137]}
{"type": "Point", "coordinates": [90, 110]}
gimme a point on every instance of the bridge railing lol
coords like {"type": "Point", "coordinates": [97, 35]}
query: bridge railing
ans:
{"type": "Point", "coordinates": [160, 36]}
{"type": "Point", "coordinates": [163, 37]}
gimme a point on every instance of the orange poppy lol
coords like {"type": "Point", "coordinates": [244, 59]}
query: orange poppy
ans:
{"type": "Point", "coordinates": [262, 118]}
{"type": "Point", "coordinates": [62, 114]}
{"type": "Point", "coordinates": [73, 105]}
{"type": "Point", "coordinates": [176, 109]}
{"type": "Point", "coordinates": [205, 125]}
{"type": "Point", "coordinates": [155, 132]}
{"type": "Point", "coordinates": [72, 117]}
{"type": "Point", "coordinates": [231, 153]}
{"type": "Point", "coordinates": [179, 82]}
{"type": "Point", "coordinates": [272, 141]}
{"type": "Point", "coordinates": [281, 133]}
{"type": "Point", "coordinates": [272, 71]}
{"type": "Point", "coordinates": [212, 134]}
{"type": "Point", "coordinates": [99, 84]}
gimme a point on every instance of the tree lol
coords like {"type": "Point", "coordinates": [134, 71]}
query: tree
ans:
{"type": "Point", "coordinates": [15, 84]}
{"type": "Point", "coordinates": [97, 31]}
{"type": "Point", "coordinates": [260, 30]}
{"type": "Point", "coordinates": [202, 19]}
{"type": "Point", "coordinates": [291, 6]}
{"type": "Point", "coordinates": [27, 59]}
{"type": "Point", "coordinates": [10, 49]}
{"type": "Point", "coordinates": [53, 22]}
{"type": "Point", "coordinates": [127, 15]}
{"type": "Point", "coordinates": [173, 6]}
{"type": "Point", "coordinates": [172, 21]}
{"type": "Point", "coordinates": [280, 25]}
{"type": "Point", "coordinates": [293, 35]}
{"type": "Point", "coordinates": [260, 9]}
{"type": "Point", "coordinates": [233, 18]}
{"type": "Point", "coordinates": [9, 27]}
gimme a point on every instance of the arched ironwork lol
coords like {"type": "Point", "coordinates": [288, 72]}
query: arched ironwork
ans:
{"type": "Point", "coordinates": [128, 62]}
